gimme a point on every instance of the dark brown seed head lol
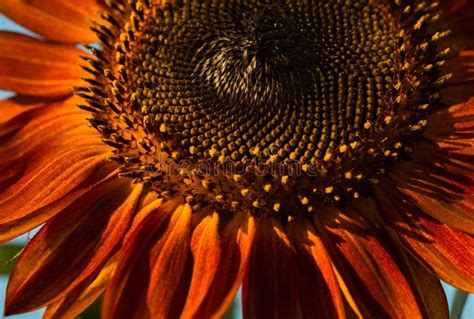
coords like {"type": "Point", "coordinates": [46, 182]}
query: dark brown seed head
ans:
{"type": "Point", "coordinates": [269, 106]}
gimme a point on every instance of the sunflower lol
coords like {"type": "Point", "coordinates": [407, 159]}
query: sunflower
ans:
{"type": "Point", "coordinates": [317, 153]}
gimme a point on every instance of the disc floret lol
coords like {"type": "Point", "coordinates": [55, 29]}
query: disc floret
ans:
{"type": "Point", "coordinates": [275, 108]}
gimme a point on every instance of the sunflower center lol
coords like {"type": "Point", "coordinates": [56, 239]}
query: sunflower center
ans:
{"type": "Point", "coordinates": [246, 80]}
{"type": "Point", "coordinates": [272, 106]}
{"type": "Point", "coordinates": [258, 60]}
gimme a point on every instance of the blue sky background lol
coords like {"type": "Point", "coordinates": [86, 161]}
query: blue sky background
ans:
{"type": "Point", "coordinates": [6, 24]}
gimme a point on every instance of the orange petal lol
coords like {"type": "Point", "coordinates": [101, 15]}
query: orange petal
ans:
{"type": "Point", "coordinates": [426, 286]}
{"type": "Point", "coordinates": [271, 284]}
{"type": "Point", "coordinates": [16, 123]}
{"type": "Point", "coordinates": [439, 186]}
{"type": "Point", "coordinates": [462, 69]}
{"type": "Point", "coordinates": [52, 125]}
{"type": "Point", "coordinates": [80, 297]}
{"type": "Point", "coordinates": [457, 4]}
{"type": "Point", "coordinates": [17, 105]}
{"type": "Point", "coordinates": [206, 252]}
{"type": "Point", "coordinates": [458, 19]}
{"type": "Point", "coordinates": [445, 250]}
{"type": "Point", "coordinates": [168, 261]}
{"type": "Point", "coordinates": [440, 178]}
{"type": "Point", "coordinates": [369, 275]}
{"type": "Point", "coordinates": [36, 152]}
{"type": "Point", "coordinates": [132, 276]}
{"type": "Point", "coordinates": [59, 20]}
{"type": "Point", "coordinates": [448, 252]}
{"type": "Point", "coordinates": [460, 92]}
{"type": "Point", "coordinates": [33, 67]}
{"type": "Point", "coordinates": [452, 128]}
{"type": "Point", "coordinates": [236, 244]}
{"type": "Point", "coordinates": [49, 177]}
{"type": "Point", "coordinates": [73, 246]}
{"type": "Point", "coordinates": [320, 295]}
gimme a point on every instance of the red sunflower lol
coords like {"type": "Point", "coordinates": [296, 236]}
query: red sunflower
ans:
{"type": "Point", "coordinates": [318, 153]}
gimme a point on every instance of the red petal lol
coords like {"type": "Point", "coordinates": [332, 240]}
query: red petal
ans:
{"type": "Point", "coordinates": [370, 277]}
{"type": "Point", "coordinates": [49, 177]}
{"type": "Point", "coordinates": [271, 284]}
{"type": "Point", "coordinates": [458, 93]}
{"type": "Point", "coordinates": [81, 296]}
{"type": "Point", "coordinates": [425, 285]}
{"type": "Point", "coordinates": [168, 261]}
{"type": "Point", "coordinates": [132, 277]}
{"type": "Point", "coordinates": [458, 19]}
{"type": "Point", "coordinates": [461, 67]}
{"type": "Point", "coordinates": [449, 253]}
{"type": "Point", "coordinates": [320, 295]}
{"type": "Point", "coordinates": [454, 5]}
{"type": "Point", "coordinates": [439, 187]}
{"type": "Point", "coordinates": [445, 250]}
{"type": "Point", "coordinates": [206, 252]}
{"type": "Point", "coordinates": [60, 20]}
{"type": "Point", "coordinates": [42, 161]}
{"type": "Point", "coordinates": [73, 246]}
{"type": "Point", "coordinates": [17, 105]}
{"type": "Point", "coordinates": [33, 67]}
{"type": "Point", "coordinates": [53, 124]}
{"type": "Point", "coordinates": [450, 127]}
{"type": "Point", "coordinates": [440, 178]}
{"type": "Point", "coordinates": [236, 244]}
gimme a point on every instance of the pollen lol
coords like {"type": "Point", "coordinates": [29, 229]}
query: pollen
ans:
{"type": "Point", "coordinates": [269, 107]}
{"type": "Point", "coordinates": [304, 201]}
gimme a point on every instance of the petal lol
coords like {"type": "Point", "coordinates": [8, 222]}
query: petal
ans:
{"type": "Point", "coordinates": [439, 192]}
{"type": "Point", "coordinates": [369, 275]}
{"type": "Point", "coordinates": [426, 286]}
{"type": "Point", "coordinates": [132, 276]}
{"type": "Point", "coordinates": [42, 161]}
{"type": "Point", "coordinates": [53, 124]}
{"type": "Point", "coordinates": [271, 284]}
{"type": "Point", "coordinates": [454, 5]}
{"type": "Point", "coordinates": [168, 261]}
{"type": "Point", "coordinates": [206, 252]}
{"type": "Point", "coordinates": [76, 244]}
{"type": "Point", "coordinates": [457, 93]}
{"type": "Point", "coordinates": [81, 296]}
{"type": "Point", "coordinates": [320, 295]}
{"type": "Point", "coordinates": [451, 126]}
{"type": "Point", "coordinates": [461, 67]}
{"type": "Point", "coordinates": [50, 176]}
{"type": "Point", "coordinates": [446, 251]}
{"type": "Point", "coordinates": [449, 253]}
{"type": "Point", "coordinates": [33, 67]}
{"type": "Point", "coordinates": [459, 21]}
{"type": "Point", "coordinates": [17, 105]}
{"type": "Point", "coordinates": [440, 177]}
{"type": "Point", "coordinates": [236, 244]}
{"type": "Point", "coordinates": [59, 20]}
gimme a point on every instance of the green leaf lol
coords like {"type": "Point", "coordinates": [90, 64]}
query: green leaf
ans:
{"type": "Point", "coordinates": [8, 256]}
{"type": "Point", "coordinates": [459, 301]}
{"type": "Point", "coordinates": [93, 311]}
{"type": "Point", "coordinates": [233, 311]}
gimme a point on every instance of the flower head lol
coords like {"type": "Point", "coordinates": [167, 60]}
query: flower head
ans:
{"type": "Point", "coordinates": [317, 152]}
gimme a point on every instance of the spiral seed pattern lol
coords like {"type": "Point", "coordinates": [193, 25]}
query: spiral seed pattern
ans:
{"type": "Point", "coordinates": [248, 79]}
{"type": "Point", "coordinates": [268, 106]}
